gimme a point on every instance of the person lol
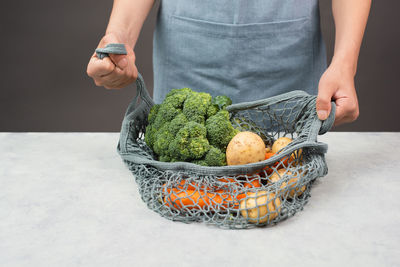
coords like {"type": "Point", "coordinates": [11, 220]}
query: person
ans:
{"type": "Point", "coordinates": [246, 49]}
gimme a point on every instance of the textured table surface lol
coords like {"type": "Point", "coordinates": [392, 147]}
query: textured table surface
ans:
{"type": "Point", "coordinates": [66, 199]}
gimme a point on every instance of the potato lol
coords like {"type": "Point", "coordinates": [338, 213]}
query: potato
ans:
{"type": "Point", "coordinates": [276, 176]}
{"type": "Point", "coordinates": [260, 206]}
{"type": "Point", "coordinates": [244, 148]}
{"type": "Point", "coordinates": [281, 142]}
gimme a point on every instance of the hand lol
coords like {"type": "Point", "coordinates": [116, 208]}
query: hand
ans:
{"type": "Point", "coordinates": [115, 71]}
{"type": "Point", "coordinates": [337, 83]}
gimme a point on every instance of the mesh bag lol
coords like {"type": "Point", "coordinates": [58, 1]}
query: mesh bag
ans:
{"type": "Point", "coordinates": [244, 196]}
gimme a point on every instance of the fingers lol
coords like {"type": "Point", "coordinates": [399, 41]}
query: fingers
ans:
{"type": "Point", "coordinates": [116, 79]}
{"type": "Point", "coordinates": [121, 61]}
{"type": "Point", "coordinates": [115, 71]}
{"type": "Point", "coordinates": [99, 67]}
{"type": "Point", "coordinates": [125, 62]}
{"type": "Point", "coordinates": [326, 91]}
{"type": "Point", "coordinates": [346, 110]}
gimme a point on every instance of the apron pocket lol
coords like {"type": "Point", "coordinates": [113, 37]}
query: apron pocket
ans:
{"type": "Point", "coordinates": [243, 61]}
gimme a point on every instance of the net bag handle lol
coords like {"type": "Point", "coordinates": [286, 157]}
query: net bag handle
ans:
{"type": "Point", "coordinates": [319, 127]}
{"type": "Point", "coordinates": [135, 109]}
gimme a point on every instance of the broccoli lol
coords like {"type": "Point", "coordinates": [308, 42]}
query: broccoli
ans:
{"type": "Point", "coordinates": [190, 126]}
{"type": "Point", "coordinates": [165, 113]}
{"type": "Point", "coordinates": [159, 116]}
{"type": "Point", "coordinates": [218, 103]}
{"type": "Point", "coordinates": [179, 91]}
{"type": "Point", "coordinates": [177, 123]}
{"type": "Point", "coordinates": [220, 130]}
{"type": "Point", "coordinates": [153, 113]}
{"type": "Point", "coordinates": [212, 110]}
{"type": "Point", "coordinates": [201, 162]}
{"type": "Point", "coordinates": [196, 105]}
{"type": "Point", "coordinates": [150, 130]}
{"type": "Point", "coordinates": [149, 135]}
{"type": "Point", "coordinates": [190, 142]}
{"type": "Point", "coordinates": [177, 97]}
{"type": "Point", "coordinates": [215, 157]}
{"type": "Point", "coordinates": [162, 140]}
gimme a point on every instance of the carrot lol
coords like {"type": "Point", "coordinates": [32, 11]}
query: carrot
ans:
{"type": "Point", "coordinates": [253, 183]}
{"type": "Point", "coordinates": [283, 163]}
{"type": "Point", "coordinates": [198, 199]}
{"type": "Point", "coordinates": [191, 197]}
{"type": "Point", "coordinates": [269, 155]}
{"type": "Point", "coordinates": [226, 180]}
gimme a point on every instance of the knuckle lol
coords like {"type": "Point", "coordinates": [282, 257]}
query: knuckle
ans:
{"type": "Point", "coordinates": [89, 72]}
{"type": "Point", "coordinates": [97, 83]}
{"type": "Point", "coordinates": [353, 108]}
{"type": "Point", "coordinates": [109, 68]}
{"type": "Point", "coordinates": [353, 112]}
{"type": "Point", "coordinates": [356, 114]}
{"type": "Point", "coordinates": [322, 103]}
{"type": "Point", "coordinates": [129, 75]}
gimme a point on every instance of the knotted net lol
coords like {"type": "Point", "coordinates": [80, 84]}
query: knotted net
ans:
{"type": "Point", "coordinates": [244, 196]}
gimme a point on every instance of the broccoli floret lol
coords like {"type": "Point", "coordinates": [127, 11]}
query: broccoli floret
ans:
{"type": "Point", "coordinates": [212, 110]}
{"type": "Point", "coordinates": [220, 130]}
{"type": "Point", "coordinates": [195, 129]}
{"type": "Point", "coordinates": [166, 113]}
{"type": "Point", "coordinates": [177, 97]}
{"type": "Point", "coordinates": [160, 116]}
{"type": "Point", "coordinates": [190, 142]}
{"type": "Point", "coordinates": [222, 101]}
{"type": "Point", "coordinates": [177, 123]}
{"type": "Point", "coordinates": [196, 105]}
{"type": "Point", "coordinates": [198, 146]}
{"type": "Point", "coordinates": [218, 103]}
{"type": "Point", "coordinates": [179, 148]}
{"type": "Point", "coordinates": [165, 158]}
{"type": "Point", "coordinates": [153, 113]}
{"type": "Point", "coordinates": [162, 140]}
{"type": "Point", "coordinates": [150, 135]}
{"type": "Point", "coordinates": [201, 162]}
{"type": "Point", "coordinates": [215, 157]}
{"type": "Point", "coordinates": [179, 91]}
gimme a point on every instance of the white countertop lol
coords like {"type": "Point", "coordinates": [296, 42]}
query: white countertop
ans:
{"type": "Point", "coordinates": [67, 199]}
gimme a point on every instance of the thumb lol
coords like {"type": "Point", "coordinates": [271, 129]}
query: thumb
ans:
{"type": "Point", "coordinates": [121, 61]}
{"type": "Point", "coordinates": [323, 105]}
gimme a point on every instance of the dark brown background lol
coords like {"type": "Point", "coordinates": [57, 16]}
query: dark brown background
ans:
{"type": "Point", "coordinates": [45, 46]}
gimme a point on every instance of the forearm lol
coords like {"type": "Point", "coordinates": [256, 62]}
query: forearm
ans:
{"type": "Point", "coordinates": [350, 20]}
{"type": "Point", "coordinates": [127, 18]}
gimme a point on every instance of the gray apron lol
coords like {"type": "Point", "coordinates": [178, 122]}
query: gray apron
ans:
{"type": "Point", "coordinates": [245, 49]}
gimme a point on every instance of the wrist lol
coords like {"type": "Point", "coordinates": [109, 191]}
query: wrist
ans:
{"type": "Point", "coordinates": [120, 35]}
{"type": "Point", "coordinates": [346, 62]}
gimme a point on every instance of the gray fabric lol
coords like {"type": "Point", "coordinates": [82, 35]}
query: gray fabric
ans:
{"type": "Point", "coordinates": [291, 114]}
{"type": "Point", "coordinates": [113, 48]}
{"type": "Point", "coordinates": [246, 49]}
